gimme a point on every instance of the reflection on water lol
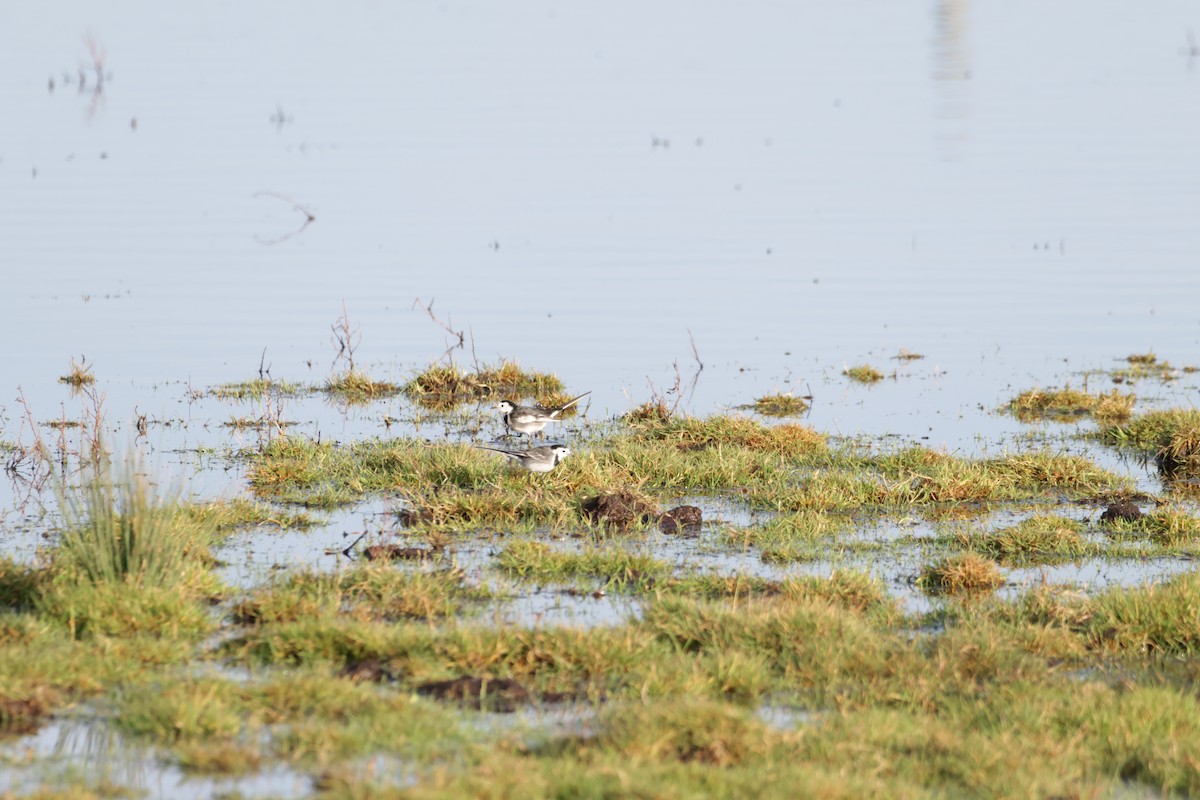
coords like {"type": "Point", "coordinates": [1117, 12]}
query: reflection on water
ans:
{"type": "Point", "coordinates": [88, 752]}
{"type": "Point", "coordinates": [951, 73]}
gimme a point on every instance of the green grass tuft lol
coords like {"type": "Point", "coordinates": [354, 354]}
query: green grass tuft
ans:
{"type": "Point", "coordinates": [863, 373]}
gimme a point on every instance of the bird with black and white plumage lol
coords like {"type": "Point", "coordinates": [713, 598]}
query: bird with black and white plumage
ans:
{"type": "Point", "coordinates": [535, 459]}
{"type": "Point", "coordinates": [532, 419]}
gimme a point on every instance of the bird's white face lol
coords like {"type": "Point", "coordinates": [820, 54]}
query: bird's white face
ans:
{"type": "Point", "coordinates": [505, 406]}
{"type": "Point", "coordinates": [561, 451]}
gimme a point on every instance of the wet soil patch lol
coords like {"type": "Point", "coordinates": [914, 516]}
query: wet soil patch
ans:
{"type": "Point", "coordinates": [504, 695]}
{"type": "Point", "coordinates": [619, 509]}
{"type": "Point", "coordinates": [1121, 511]}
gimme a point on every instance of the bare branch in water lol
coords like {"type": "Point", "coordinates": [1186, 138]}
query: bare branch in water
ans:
{"type": "Point", "coordinates": [446, 327]}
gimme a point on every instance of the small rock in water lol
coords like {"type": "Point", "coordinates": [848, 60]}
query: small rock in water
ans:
{"type": "Point", "coordinates": [1123, 510]}
{"type": "Point", "coordinates": [680, 519]}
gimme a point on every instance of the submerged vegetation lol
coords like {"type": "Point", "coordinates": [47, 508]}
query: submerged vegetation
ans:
{"type": "Point", "coordinates": [1171, 437]}
{"type": "Point", "coordinates": [780, 405]}
{"type": "Point", "coordinates": [863, 373]}
{"type": "Point", "coordinates": [444, 386]}
{"type": "Point", "coordinates": [79, 375]}
{"type": "Point", "coordinates": [1070, 404]}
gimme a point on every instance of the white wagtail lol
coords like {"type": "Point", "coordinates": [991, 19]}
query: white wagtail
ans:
{"type": "Point", "coordinates": [536, 459]}
{"type": "Point", "coordinates": [531, 419]}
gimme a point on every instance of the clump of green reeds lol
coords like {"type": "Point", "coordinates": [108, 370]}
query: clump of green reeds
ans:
{"type": "Point", "coordinates": [1068, 403]}
{"type": "Point", "coordinates": [80, 374]}
{"type": "Point", "coordinates": [118, 530]}
{"type": "Point", "coordinates": [961, 574]}
{"type": "Point", "coordinates": [780, 405]}
{"type": "Point", "coordinates": [863, 373]}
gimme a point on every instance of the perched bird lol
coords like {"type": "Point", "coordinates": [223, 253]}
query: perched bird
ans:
{"type": "Point", "coordinates": [536, 459]}
{"type": "Point", "coordinates": [531, 419]}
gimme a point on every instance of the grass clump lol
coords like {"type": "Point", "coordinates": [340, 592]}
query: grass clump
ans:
{"type": "Point", "coordinates": [863, 373]}
{"type": "Point", "coordinates": [691, 433]}
{"type": "Point", "coordinates": [616, 566]}
{"type": "Point", "coordinates": [1162, 618]}
{"type": "Point", "coordinates": [116, 530]}
{"type": "Point", "coordinates": [443, 386]}
{"type": "Point", "coordinates": [920, 475]}
{"type": "Point", "coordinates": [799, 536]}
{"type": "Point", "coordinates": [355, 386]}
{"type": "Point", "coordinates": [79, 375]}
{"type": "Point", "coordinates": [227, 516]}
{"type": "Point", "coordinates": [1168, 525]}
{"type": "Point", "coordinates": [1147, 365]}
{"type": "Point", "coordinates": [1038, 540]}
{"type": "Point", "coordinates": [1171, 437]}
{"type": "Point", "coordinates": [1068, 404]}
{"type": "Point", "coordinates": [371, 591]}
{"type": "Point", "coordinates": [967, 573]}
{"type": "Point", "coordinates": [780, 405]}
{"type": "Point", "coordinates": [257, 389]}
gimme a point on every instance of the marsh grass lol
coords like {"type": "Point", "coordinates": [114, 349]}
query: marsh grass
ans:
{"type": "Point", "coordinates": [799, 536]}
{"type": "Point", "coordinates": [1144, 366]}
{"type": "Point", "coordinates": [80, 374]}
{"type": "Point", "coordinates": [784, 467]}
{"type": "Point", "coordinates": [1168, 525]}
{"type": "Point", "coordinates": [444, 386]}
{"type": "Point", "coordinates": [368, 591]}
{"type": "Point", "coordinates": [118, 530]}
{"type": "Point", "coordinates": [863, 373]}
{"type": "Point", "coordinates": [1070, 404]}
{"type": "Point", "coordinates": [966, 573]}
{"type": "Point", "coordinates": [969, 706]}
{"type": "Point", "coordinates": [356, 387]}
{"type": "Point", "coordinates": [227, 516]}
{"type": "Point", "coordinates": [1041, 539]}
{"type": "Point", "coordinates": [780, 405]}
{"type": "Point", "coordinates": [615, 566]}
{"type": "Point", "coordinates": [259, 388]}
{"type": "Point", "coordinates": [1172, 437]}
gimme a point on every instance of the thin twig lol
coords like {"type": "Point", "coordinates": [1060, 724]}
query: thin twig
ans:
{"type": "Point", "coordinates": [444, 326]}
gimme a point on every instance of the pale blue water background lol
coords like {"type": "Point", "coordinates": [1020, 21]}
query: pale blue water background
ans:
{"type": "Point", "coordinates": [840, 182]}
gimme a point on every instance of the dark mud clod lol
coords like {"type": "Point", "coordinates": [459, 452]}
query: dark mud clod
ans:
{"type": "Point", "coordinates": [486, 694]}
{"type": "Point", "coordinates": [681, 519]}
{"type": "Point", "coordinates": [620, 509]}
{"type": "Point", "coordinates": [1121, 511]}
{"type": "Point", "coordinates": [409, 517]}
